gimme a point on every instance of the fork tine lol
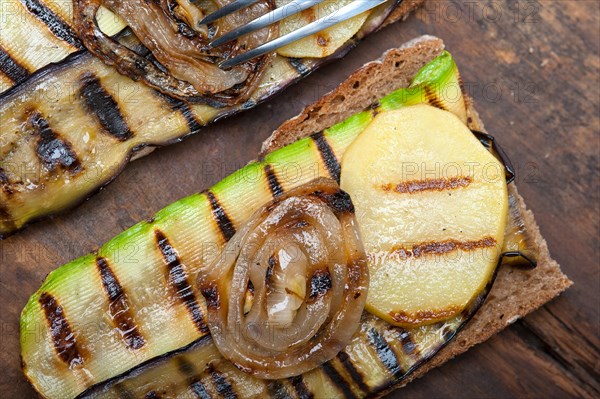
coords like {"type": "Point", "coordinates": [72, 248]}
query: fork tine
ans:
{"type": "Point", "coordinates": [277, 14]}
{"type": "Point", "coordinates": [228, 9]}
{"type": "Point", "coordinates": [344, 13]}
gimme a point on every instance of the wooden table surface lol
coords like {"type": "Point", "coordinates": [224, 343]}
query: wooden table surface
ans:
{"type": "Point", "coordinates": [534, 71]}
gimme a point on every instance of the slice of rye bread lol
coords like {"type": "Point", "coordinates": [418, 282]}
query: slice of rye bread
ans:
{"type": "Point", "coordinates": [516, 292]}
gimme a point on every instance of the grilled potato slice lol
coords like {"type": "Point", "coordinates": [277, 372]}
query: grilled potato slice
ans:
{"type": "Point", "coordinates": [325, 42]}
{"type": "Point", "coordinates": [431, 203]}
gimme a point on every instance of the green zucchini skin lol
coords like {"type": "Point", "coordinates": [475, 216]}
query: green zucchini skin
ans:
{"type": "Point", "coordinates": [135, 298]}
{"type": "Point", "coordinates": [69, 128]}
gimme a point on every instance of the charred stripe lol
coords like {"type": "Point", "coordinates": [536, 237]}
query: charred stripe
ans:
{"type": "Point", "coordinates": [408, 345]}
{"type": "Point", "coordinates": [338, 380]}
{"type": "Point", "coordinates": [103, 106]}
{"type": "Point", "coordinates": [356, 376]}
{"type": "Point", "coordinates": [178, 280]}
{"type": "Point", "coordinates": [299, 66]}
{"type": "Point", "coordinates": [196, 386]}
{"type": "Point", "coordinates": [152, 395]}
{"type": "Point", "coordinates": [199, 390]}
{"type": "Point", "coordinates": [277, 390]}
{"type": "Point", "coordinates": [274, 185]}
{"type": "Point", "coordinates": [339, 201]}
{"type": "Point", "coordinates": [119, 307]}
{"type": "Point", "coordinates": [300, 387]}
{"type": "Point", "coordinates": [51, 149]}
{"type": "Point", "coordinates": [182, 107]}
{"type": "Point", "coordinates": [328, 156]}
{"type": "Point", "coordinates": [442, 247]}
{"type": "Point", "coordinates": [433, 99]}
{"type": "Point", "coordinates": [439, 184]}
{"type": "Point", "coordinates": [384, 352]}
{"type": "Point", "coordinates": [221, 218]}
{"type": "Point", "coordinates": [451, 245]}
{"type": "Point", "coordinates": [185, 367]}
{"type": "Point", "coordinates": [11, 68]}
{"type": "Point", "coordinates": [320, 284]}
{"type": "Point", "coordinates": [62, 335]}
{"type": "Point", "coordinates": [53, 22]}
{"type": "Point", "coordinates": [224, 388]}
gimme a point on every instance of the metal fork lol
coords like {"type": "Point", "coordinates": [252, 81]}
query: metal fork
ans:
{"type": "Point", "coordinates": [350, 10]}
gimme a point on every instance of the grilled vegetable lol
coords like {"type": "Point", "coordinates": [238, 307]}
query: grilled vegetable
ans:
{"type": "Point", "coordinates": [325, 42]}
{"type": "Point", "coordinates": [149, 270]}
{"type": "Point", "coordinates": [135, 298]}
{"type": "Point", "coordinates": [69, 129]}
{"type": "Point", "coordinates": [182, 48]}
{"type": "Point", "coordinates": [379, 356]}
{"type": "Point", "coordinates": [306, 267]}
{"type": "Point", "coordinates": [444, 200]}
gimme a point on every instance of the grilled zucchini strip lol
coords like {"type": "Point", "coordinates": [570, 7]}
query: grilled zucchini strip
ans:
{"type": "Point", "coordinates": [378, 357]}
{"type": "Point", "coordinates": [71, 128]}
{"type": "Point", "coordinates": [36, 33]}
{"type": "Point", "coordinates": [135, 298]}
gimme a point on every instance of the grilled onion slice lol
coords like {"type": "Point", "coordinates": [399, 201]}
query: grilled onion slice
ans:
{"type": "Point", "coordinates": [303, 259]}
{"type": "Point", "coordinates": [183, 65]}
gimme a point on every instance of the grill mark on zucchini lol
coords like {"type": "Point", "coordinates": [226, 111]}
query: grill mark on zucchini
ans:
{"type": "Point", "coordinates": [440, 184]}
{"type": "Point", "coordinates": [61, 333]}
{"type": "Point", "coordinates": [195, 385]}
{"type": "Point", "coordinates": [274, 185]}
{"type": "Point", "coordinates": [199, 389]}
{"type": "Point", "coordinates": [223, 221]}
{"type": "Point", "coordinates": [54, 23]}
{"type": "Point", "coordinates": [277, 390]}
{"type": "Point", "coordinates": [384, 352]}
{"type": "Point", "coordinates": [178, 281]}
{"type": "Point", "coordinates": [352, 371]}
{"type": "Point", "coordinates": [300, 387]}
{"type": "Point", "coordinates": [185, 367]}
{"type": "Point", "coordinates": [12, 68]}
{"type": "Point", "coordinates": [184, 109]}
{"type": "Point", "coordinates": [51, 149]}
{"type": "Point", "coordinates": [408, 345]}
{"type": "Point", "coordinates": [329, 159]}
{"type": "Point", "coordinates": [224, 388]}
{"type": "Point", "coordinates": [119, 307]}
{"type": "Point", "coordinates": [104, 107]}
{"type": "Point", "coordinates": [433, 99]}
{"type": "Point", "coordinates": [339, 381]}
{"type": "Point", "coordinates": [298, 65]}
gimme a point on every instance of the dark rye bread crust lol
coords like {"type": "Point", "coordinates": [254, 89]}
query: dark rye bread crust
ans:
{"type": "Point", "coordinates": [516, 292]}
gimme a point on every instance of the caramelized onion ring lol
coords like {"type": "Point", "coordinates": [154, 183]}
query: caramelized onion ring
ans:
{"type": "Point", "coordinates": [188, 68]}
{"type": "Point", "coordinates": [304, 261]}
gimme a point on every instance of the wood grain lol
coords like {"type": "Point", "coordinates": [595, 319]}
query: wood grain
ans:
{"type": "Point", "coordinates": [533, 69]}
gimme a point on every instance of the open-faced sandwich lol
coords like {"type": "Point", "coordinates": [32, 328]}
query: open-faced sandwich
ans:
{"type": "Point", "coordinates": [71, 119]}
{"type": "Point", "coordinates": [377, 235]}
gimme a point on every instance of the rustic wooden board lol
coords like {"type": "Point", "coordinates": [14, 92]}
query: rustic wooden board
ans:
{"type": "Point", "coordinates": [534, 71]}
